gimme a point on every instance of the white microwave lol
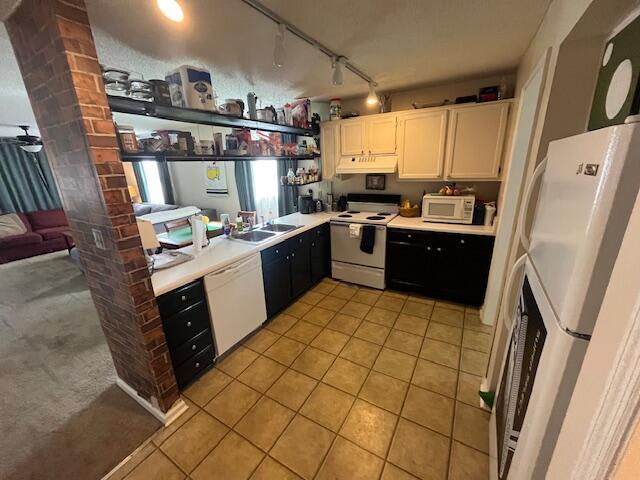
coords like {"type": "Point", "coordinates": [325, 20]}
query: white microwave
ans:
{"type": "Point", "coordinates": [448, 209]}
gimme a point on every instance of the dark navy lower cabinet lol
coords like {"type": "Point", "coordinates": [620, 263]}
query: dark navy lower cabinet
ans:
{"type": "Point", "coordinates": [187, 328]}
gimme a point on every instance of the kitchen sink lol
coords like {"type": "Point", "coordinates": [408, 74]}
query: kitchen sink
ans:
{"type": "Point", "coordinates": [279, 227]}
{"type": "Point", "coordinates": [255, 236]}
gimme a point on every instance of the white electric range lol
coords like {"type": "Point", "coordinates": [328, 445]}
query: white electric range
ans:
{"type": "Point", "coordinates": [351, 260]}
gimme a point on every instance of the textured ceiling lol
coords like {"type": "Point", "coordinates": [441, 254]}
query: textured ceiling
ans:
{"type": "Point", "coordinates": [400, 43]}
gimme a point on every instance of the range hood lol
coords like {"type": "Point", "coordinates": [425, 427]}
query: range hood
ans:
{"type": "Point", "coordinates": [368, 164]}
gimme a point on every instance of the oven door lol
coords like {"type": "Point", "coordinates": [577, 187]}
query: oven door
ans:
{"type": "Point", "coordinates": [443, 209]}
{"type": "Point", "coordinates": [347, 249]}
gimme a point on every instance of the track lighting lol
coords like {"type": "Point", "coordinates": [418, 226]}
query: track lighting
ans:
{"type": "Point", "coordinates": [372, 98]}
{"type": "Point", "coordinates": [31, 148]}
{"type": "Point", "coordinates": [336, 63]}
{"type": "Point", "coordinates": [171, 9]}
{"type": "Point", "coordinates": [278, 49]}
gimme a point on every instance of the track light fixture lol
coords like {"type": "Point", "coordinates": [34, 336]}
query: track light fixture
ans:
{"type": "Point", "coordinates": [372, 98]}
{"type": "Point", "coordinates": [337, 77]}
{"type": "Point", "coordinates": [278, 49]}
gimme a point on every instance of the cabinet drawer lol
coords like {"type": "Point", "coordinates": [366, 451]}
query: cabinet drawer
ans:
{"type": "Point", "coordinates": [191, 368]}
{"type": "Point", "coordinates": [183, 297]}
{"type": "Point", "coordinates": [297, 242]}
{"type": "Point", "coordinates": [181, 354]}
{"type": "Point", "coordinates": [408, 236]}
{"type": "Point", "coordinates": [318, 232]}
{"type": "Point", "coordinates": [186, 324]}
{"type": "Point", "coordinates": [275, 253]}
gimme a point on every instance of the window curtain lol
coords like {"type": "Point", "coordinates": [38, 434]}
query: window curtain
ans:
{"type": "Point", "coordinates": [286, 195]}
{"type": "Point", "coordinates": [26, 181]}
{"type": "Point", "coordinates": [244, 182]}
{"type": "Point", "coordinates": [165, 181]}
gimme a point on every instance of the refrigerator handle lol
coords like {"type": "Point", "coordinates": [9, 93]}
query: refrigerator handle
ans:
{"type": "Point", "coordinates": [522, 221]}
{"type": "Point", "coordinates": [506, 297]}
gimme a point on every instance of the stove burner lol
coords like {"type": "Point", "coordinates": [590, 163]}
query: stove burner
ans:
{"type": "Point", "coordinates": [353, 211]}
{"type": "Point", "coordinates": [383, 214]}
{"type": "Point", "coordinates": [375, 217]}
{"type": "Point", "coordinates": [344, 215]}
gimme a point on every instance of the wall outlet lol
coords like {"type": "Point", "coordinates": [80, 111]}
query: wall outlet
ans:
{"type": "Point", "coordinates": [97, 238]}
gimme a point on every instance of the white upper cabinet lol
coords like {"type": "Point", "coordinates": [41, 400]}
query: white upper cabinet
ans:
{"type": "Point", "coordinates": [381, 134]}
{"type": "Point", "coordinates": [421, 144]}
{"type": "Point", "coordinates": [352, 137]}
{"type": "Point", "coordinates": [368, 135]}
{"type": "Point", "coordinates": [329, 148]}
{"type": "Point", "coordinates": [475, 141]}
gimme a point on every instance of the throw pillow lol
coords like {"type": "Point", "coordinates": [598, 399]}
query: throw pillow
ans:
{"type": "Point", "coordinates": [10, 225]}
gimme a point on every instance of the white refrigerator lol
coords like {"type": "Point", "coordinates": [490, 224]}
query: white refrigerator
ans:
{"type": "Point", "coordinates": [589, 183]}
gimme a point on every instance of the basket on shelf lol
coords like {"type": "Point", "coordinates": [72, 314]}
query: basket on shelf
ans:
{"type": "Point", "coordinates": [409, 212]}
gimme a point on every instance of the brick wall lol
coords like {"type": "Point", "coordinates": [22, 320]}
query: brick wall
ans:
{"type": "Point", "coordinates": [54, 46]}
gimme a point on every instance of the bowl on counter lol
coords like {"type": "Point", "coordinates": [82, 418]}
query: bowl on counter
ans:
{"type": "Point", "coordinates": [409, 212]}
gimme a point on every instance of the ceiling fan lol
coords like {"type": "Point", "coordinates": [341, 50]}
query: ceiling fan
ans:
{"type": "Point", "coordinates": [28, 143]}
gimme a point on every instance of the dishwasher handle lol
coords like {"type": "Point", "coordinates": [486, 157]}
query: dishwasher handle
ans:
{"type": "Point", "coordinates": [232, 268]}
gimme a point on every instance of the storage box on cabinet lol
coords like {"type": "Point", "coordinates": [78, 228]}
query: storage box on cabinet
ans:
{"type": "Point", "coordinates": [185, 320]}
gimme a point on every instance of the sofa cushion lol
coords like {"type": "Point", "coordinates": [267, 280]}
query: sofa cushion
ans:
{"type": "Point", "coordinates": [11, 224]}
{"type": "Point", "coordinates": [47, 219]}
{"type": "Point", "coordinates": [141, 209]}
{"type": "Point", "coordinates": [25, 221]}
{"type": "Point", "coordinates": [53, 232]}
{"type": "Point", "coordinates": [28, 238]}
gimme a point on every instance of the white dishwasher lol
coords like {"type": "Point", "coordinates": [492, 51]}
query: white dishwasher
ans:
{"type": "Point", "coordinates": [236, 301]}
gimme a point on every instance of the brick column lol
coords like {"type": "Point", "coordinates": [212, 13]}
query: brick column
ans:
{"type": "Point", "coordinates": [54, 46]}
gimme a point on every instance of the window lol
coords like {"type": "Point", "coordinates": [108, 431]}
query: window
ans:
{"type": "Point", "coordinates": [149, 181]}
{"type": "Point", "coordinates": [265, 187]}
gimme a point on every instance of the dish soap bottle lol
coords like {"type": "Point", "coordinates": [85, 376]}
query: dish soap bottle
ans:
{"type": "Point", "coordinates": [291, 177]}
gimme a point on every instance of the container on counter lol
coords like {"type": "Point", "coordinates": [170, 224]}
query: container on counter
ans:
{"type": "Point", "coordinates": [226, 223]}
{"type": "Point", "coordinates": [489, 213]}
{"type": "Point", "coordinates": [335, 109]}
{"type": "Point", "coordinates": [128, 138]}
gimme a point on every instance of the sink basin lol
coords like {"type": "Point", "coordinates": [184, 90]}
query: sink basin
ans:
{"type": "Point", "coordinates": [256, 236]}
{"type": "Point", "coordinates": [279, 227]}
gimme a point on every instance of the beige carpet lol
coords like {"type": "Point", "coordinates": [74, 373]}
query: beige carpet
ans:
{"type": "Point", "coordinates": [61, 414]}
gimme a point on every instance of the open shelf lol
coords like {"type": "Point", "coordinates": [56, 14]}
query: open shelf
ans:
{"type": "Point", "coordinates": [300, 184]}
{"type": "Point", "coordinates": [177, 157]}
{"type": "Point", "coordinates": [202, 117]}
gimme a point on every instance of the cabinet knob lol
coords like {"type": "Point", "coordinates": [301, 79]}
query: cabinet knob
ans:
{"type": "Point", "coordinates": [287, 257]}
{"type": "Point", "coordinates": [197, 364]}
{"type": "Point", "coordinates": [293, 255]}
{"type": "Point", "coordinates": [462, 240]}
{"type": "Point", "coordinates": [429, 249]}
{"type": "Point", "coordinates": [439, 249]}
{"type": "Point", "coordinates": [277, 251]}
{"type": "Point", "coordinates": [300, 240]}
{"type": "Point", "coordinates": [408, 236]}
{"type": "Point", "coordinates": [188, 324]}
{"type": "Point", "coordinates": [193, 347]}
{"type": "Point", "coordinates": [183, 298]}
{"type": "Point", "coordinates": [313, 244]}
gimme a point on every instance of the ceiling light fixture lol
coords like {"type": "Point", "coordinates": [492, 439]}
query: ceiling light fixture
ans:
{"type": "Point", "coordinates": [337, 77]}
{"type": "Point", "coordinates": [31, 148]}
{"type": "Point", "coordinates": [171, 9]}
{"type": "Point", "coordinates": [372, 98]}
{"type": "Point", "coordinates": [278, 49]}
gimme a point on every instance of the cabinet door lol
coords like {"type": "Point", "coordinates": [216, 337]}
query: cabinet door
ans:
{"type": "Point", "coordinates": [474, 256]}
{"type": "Point", "coordinates": [421, 144]}
{"type": "Point", "coordinates": [381, 134]}
{"type": "Point", "coordinates": [329, 148]}
{"type": "Point", "coordinates": [352, 138]}
{"type": "Point", "coordinates": [277, 285]}
{"type": "Point", "coordinates": [300, 261]}
{"type": "Point", "coordinates": [476, 138]}
{"type": "Point", "coordinates": [320, 255]}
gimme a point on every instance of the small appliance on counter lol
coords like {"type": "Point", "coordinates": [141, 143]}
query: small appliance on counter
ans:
{"type": "Point", "coordinates": [448, 208]}
{"type": "Point", "coordinates": [306, 204]}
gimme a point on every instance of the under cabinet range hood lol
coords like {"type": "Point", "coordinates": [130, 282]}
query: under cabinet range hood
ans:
{"type": "Point", "coordinates": [368, 164]}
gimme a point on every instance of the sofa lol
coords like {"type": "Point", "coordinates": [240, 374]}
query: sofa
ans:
{"type": "Point", "coordinates": [46, 231]}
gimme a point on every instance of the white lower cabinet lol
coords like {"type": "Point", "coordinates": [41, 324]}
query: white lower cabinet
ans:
{"type": "Point", "coordinates": [421, 144]}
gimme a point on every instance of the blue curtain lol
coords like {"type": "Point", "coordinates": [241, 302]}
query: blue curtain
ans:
{"type": "Point", "coordinates": [244, 182]}
{"type": "Point", "coordinates": [287, 195]}
{"type": "Point", "coordinates": [26, 180]}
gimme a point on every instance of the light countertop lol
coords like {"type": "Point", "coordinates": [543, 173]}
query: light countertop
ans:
{"type": "Point", "coordinates": [223, 251]}
{"type": "Point", "coordinates": [416, 223]}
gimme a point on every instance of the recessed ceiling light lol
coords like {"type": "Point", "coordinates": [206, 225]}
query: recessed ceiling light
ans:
{"type": "Point", "coordinates": [171, 9]}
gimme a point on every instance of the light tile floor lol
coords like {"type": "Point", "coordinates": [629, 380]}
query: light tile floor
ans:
{"type": "Point", "coordinates": [347, 383]}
